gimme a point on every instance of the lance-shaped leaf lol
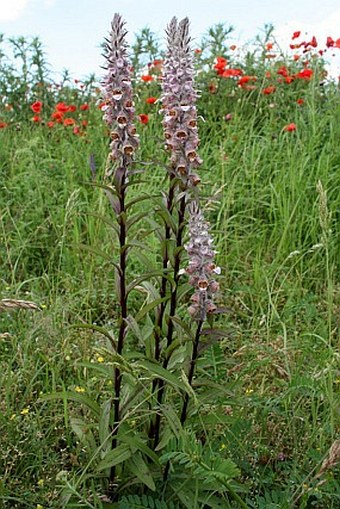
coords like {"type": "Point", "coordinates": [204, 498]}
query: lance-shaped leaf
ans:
{"type": "Point", "coordinates": [140, 469]}
{"type": "Point", "coordinates": [157, 371]}
{"type": "Point", "coordinates": [118, 455]}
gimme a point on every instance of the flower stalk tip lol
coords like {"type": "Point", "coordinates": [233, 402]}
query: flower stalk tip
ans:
{"type": "Point", "coordinates": [119, 111]}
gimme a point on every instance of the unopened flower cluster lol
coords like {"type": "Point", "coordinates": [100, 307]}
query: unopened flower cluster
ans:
{"type": "Point", "coordinates": [178, 104]}
{"type": "Point", "coordinates": [201, 268]}
{"type": "Point", "coordinates": [119, 111]}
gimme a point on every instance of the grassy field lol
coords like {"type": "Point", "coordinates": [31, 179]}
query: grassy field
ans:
{"type": "Point", "coordinates": [272, 197]}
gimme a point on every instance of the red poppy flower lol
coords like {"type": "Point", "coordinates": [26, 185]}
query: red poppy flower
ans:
{"type": "Point", "coordinates": [72, 108]}
{"type": "Point", "coordinates": [233, 47]}
{"type": "Point", "coordinates": [313, 42]}
{"type": "Point", "coordinates": [220, 65]}
{"type": "Point", "coordinates": [143, 118]}
{"type": "Point", "coordinates": [296, 57]}
{"type": "Point", "coordinates": [289, 79]}
{"type": "Point", "coordinates": [306, 74]}
{"type": "Point", "coordinates": [245, 79]}
{"type": "Point", "coordinates": [231, 73]}
{"type": "Point", "coordinates": [151, 100]}
{"type": "Point", "coordinates": [36, 106]}
{"type": "Point", "coordinates": [198, 51]}
{"type": "Point", "coordinates": [84, 123]}
{"type": "Point", "coordinates": [62, 107]}
{"type": "Point", "coordinates": [269, 46]}
{"type": "Point", "coordinates": [269, 90]}
{"type": "Point", "coordinates": [283, 71]}
{"type": "Point", "coordinates": [50, 124]}
{"type": "Point", "coordinates": [296, 35]}
{"type": "Point", "coordinates": [290, 127]}
{"type": "Point", "coordinates": [300, 102]}
{"type": "Point", "coordinates": [147, 77]}
{"type": "Point", "coordinates": [3, 125]}
{"type": "Point", "coordinates": [330, 42]}
{"type": "Point", "coordinates": [84, 107]}
{"type": "Point", "coordinates": [337, 43]}
{"type": "Point", "coordinates": [36, 119]}
{"type": "Point", "coordinates": [57, 116]}
{"type": "Point", "coordinates": [76, 129]}
{"type": "Point", "coordinates": [69, 121]}
{"type": "Point", "coordinates": [268, 74]}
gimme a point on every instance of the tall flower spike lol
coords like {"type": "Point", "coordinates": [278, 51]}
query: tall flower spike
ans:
{"type": "Point", "coordinates": [201, 269]}
{"type": "Point", "coordinates": [119, 109]}
{"type": "Point", "coordinates": [179, 104]}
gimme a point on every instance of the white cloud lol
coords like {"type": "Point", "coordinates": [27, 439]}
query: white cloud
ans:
{"type": "Point", "coordinates": [11, 10]}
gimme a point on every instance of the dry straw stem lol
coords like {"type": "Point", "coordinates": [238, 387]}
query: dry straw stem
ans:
{"type": "Point", "coordinates": [331, 460]}
{"type": "Point", "coordinates": [13, 304]}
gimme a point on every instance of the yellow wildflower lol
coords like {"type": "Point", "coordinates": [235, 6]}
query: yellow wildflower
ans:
{"type": "Point", "coordinates": [25, 411]}
{"type": "Point", "coordinates": [79, 389]}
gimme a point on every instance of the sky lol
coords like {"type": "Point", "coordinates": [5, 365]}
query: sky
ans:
{"type": "Point", "coordinates": [72, 30]}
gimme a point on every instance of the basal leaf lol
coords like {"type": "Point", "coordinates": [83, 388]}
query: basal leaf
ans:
{"type": "Point", "coordinates": [140, 469]}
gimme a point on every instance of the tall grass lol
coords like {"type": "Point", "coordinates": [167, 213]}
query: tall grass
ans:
{"type": "Point", "coordinates": [273, 200]}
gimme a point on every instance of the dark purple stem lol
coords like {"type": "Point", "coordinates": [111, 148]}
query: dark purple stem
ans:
{"type": "Point", "coordinates": [122, 326]}
{"type": "Point", "coordinates": [173, 305]}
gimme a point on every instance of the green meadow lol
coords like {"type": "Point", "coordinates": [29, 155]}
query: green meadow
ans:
{"type": "Point", "coordinates": [265, 397]}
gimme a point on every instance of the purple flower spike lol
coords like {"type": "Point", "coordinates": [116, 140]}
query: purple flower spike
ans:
{"type": "Point", "coordinates": [119, 112]}
{"type": "Point", "coordinates": [179, 103]}
{"type": "Point", "coordinates": [201, 269]}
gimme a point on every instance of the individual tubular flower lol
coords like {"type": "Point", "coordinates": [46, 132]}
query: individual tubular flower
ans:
{"type": "Point", "coordinates": [201, 268]}
{"type": "Point", "coordinates": [179, 103]}
{"type": "Point", "coordinates": [119, 111]}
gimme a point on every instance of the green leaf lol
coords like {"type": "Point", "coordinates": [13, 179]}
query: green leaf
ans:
{"type": "Point", "coordinates": [134, 327]}
{"type": "Point", "coordinates": [173, 420]}
{"type": "Point", "coordinates": [159, 372]}
{"type": "Point", "coordinates": [73, 396]}
{"type": "Point", "coordinates": [99, 252]}
{"type": "Point", "coordinates": [165, 437]}
{"type": "Point", "coordinates": [138, 199]}
{"type": "Point", "coordinates": [135, 243]}
{"type": "Point", "coordinates": [183, 326]}
{"type": "Point", "coordinates": [114, 457]}
{"type": "Point", "coordinates": [139, 468]}
{"type": "Point", "coordinates": [167, 217]}
{"type": "Point", "coordinates": [145, 310]}
{"type": "Point", "coordinates": [143, 277]}
{"type": "Point", "coordinates": [83, 432]}
{"type": "Point", "coordinates": [105, 220]}
{"type": "Point", "coordinates": [134, 219]}
{"type": "Point", "coordinates": [136, 443]}
{"type": "Point", "coordinates": [150, 289]}
{"type": "Point", "coordinates": [104, 424]}
{"type": "Point", "coordinates": [109, 189]}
